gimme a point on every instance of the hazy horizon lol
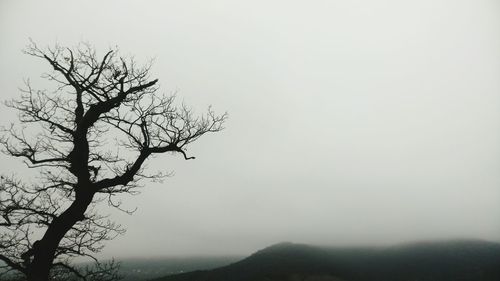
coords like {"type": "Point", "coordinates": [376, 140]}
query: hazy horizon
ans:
{"type": "Point", "coordinates": [243, 255]}
{"type": "Point", "coordinates": [350, 122]}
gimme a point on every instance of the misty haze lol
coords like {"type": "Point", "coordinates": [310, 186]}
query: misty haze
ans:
{"type": "Point", "coordinates": [250, 140]}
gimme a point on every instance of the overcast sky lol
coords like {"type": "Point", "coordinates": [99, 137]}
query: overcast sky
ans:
{"type": "Point", "coordinates": [373, 122]}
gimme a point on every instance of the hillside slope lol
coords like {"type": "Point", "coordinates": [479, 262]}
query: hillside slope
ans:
{"type": "Point", "coordinates": [443, 261]}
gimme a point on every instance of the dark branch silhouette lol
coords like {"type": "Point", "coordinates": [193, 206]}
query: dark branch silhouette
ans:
{"type": "Point", "coordinates": [89, 139]}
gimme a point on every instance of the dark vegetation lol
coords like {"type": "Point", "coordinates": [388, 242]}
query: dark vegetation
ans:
{"type": "Point", "coordinates": [445, 261]}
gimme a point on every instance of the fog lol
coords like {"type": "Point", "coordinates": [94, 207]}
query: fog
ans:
{"type": "Point", "coordinates": [350, 122]}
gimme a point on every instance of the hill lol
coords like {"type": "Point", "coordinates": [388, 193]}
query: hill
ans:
{"type": "Point", "coordinates": [432, 261]}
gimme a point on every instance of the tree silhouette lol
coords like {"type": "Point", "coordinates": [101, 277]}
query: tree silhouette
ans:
{"type": "Point", "coordinates": [89, 140]}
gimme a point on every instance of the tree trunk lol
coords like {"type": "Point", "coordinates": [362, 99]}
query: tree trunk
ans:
{"type": "Point", "coordinates": [45, 249]}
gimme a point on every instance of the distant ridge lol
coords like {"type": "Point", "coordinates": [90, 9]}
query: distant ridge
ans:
{"type": "Point", "coordinates": [460, 260]}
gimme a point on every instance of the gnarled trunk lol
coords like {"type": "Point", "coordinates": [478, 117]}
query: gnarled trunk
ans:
{"type": "Point", "coordinates": [45, 249]}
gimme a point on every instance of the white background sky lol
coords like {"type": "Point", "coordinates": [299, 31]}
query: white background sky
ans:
{"type": "Point", "coordinates": [373, 122]}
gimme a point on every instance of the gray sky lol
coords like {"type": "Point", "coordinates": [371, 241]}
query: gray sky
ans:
{"type": "Point", "coordinates": [372, 122]}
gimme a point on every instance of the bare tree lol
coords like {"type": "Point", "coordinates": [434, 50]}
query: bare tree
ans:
{"type": "Point", "coordinates": [89, 140]}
